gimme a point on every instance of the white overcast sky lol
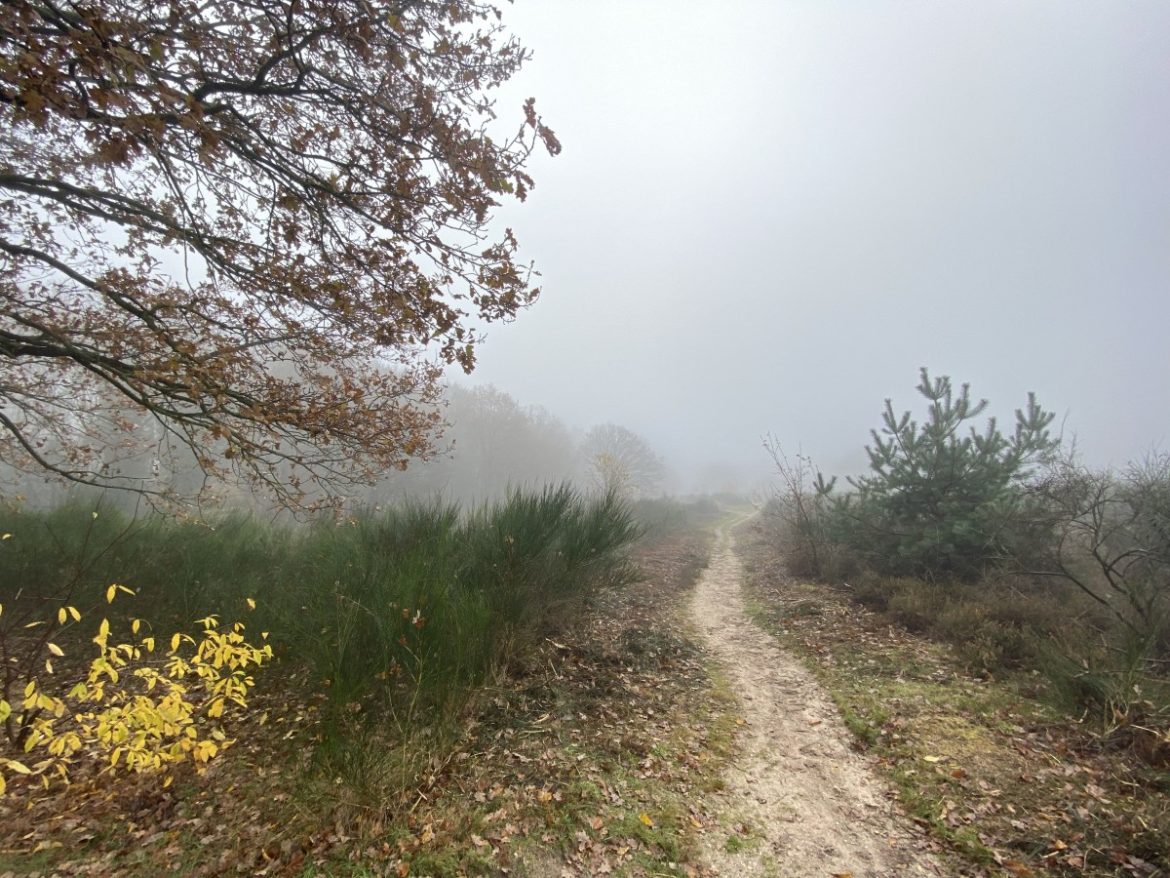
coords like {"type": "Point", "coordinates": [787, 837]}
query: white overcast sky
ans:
{"type": "Point", "coordinates": [768, 215]}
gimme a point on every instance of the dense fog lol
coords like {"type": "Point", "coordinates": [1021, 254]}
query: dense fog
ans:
{"type": "Point", "coordinates": [768, 216]}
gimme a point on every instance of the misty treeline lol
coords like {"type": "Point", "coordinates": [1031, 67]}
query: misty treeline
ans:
{"type": "Point", "coordinates": [485, 442]}
{"type": "Point", "coordinates": [1005, 543]}
{"type": "Point", "coordinates": [492, 442]}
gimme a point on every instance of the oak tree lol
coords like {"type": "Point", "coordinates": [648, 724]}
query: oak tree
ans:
{"type": "Point", "coordinates": [253, 229]}
{"type": "Point", "coordinates": [622, 462]}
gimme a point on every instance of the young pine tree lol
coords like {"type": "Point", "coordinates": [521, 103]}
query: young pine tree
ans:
{"type": "Point", "coordinates": [942, 496]}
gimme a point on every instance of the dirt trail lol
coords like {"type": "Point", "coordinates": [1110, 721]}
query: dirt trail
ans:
{"type": "Point", "coordinates": [811, 801]}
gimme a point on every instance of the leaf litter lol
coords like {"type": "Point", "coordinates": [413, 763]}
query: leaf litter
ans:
{"type": "Point", "coordinates": [1004, 783]}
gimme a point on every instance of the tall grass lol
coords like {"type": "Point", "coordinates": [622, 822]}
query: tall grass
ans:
{"type": "Point", "coordinates": [398, 613]}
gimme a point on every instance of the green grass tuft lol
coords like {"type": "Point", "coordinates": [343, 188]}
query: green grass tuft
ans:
{"type": "Point", "coordinates": [398, 615]}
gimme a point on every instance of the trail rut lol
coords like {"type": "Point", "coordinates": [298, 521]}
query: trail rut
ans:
{"type": "Point", "coordinates": [812, 804]}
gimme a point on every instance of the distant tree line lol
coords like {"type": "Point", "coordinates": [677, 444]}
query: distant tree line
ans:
{"type": "Point", "coordinates": [485, 443]}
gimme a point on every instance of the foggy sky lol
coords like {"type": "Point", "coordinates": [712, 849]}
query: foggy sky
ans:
{"type": "Point", "coordinates": [768, 215]}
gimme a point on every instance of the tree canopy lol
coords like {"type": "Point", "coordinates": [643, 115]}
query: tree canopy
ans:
{"type": "Point", "coordinates": [251, 229]}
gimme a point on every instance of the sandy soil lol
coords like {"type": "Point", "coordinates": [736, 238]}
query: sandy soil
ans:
{"type": "Point", "coordinates": [811, 804]}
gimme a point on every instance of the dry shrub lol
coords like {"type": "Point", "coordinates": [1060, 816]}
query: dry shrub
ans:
{"type": "Point", "coordinates": [997, 624]}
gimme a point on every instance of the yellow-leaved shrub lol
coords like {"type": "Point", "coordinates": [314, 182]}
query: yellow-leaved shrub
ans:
{"type": "Point", "coordinates": [137, 709]}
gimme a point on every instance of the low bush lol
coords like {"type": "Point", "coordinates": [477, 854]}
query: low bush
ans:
{"type": "Point", "coordinates": [1000, 624]}
{"type": "Point", "coordinates": [430, 601]}
{"type": "Point", "coordinates": [130, 708]}
{"type": "Point", "coordinates": [1119, 693]}
{"type": "Point", "coordinates": [397, 614]}
{"type": "Point", "coordinates": [913, 604]}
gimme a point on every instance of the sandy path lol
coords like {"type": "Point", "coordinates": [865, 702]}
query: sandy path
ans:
{"type": "Point", "coordinates": [797, 783]}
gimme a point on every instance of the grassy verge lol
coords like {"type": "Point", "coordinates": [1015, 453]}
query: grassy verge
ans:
{"type": "Point", "coordinates": [592, 759]}
{"type": "Point", "coordinates": [400, 612]}
{"type": "Point", "coordinates": [581, 749]}
{"type": "Point", "coordinates": [1004, 781]}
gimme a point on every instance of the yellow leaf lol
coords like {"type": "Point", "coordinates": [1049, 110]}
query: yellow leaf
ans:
{"type": "Point", "coordinates": [3, 786]}
{"type": "Point", "coordinates": [6, 537]}
{"type": "Point", "coordinates": [932, 758]}
{"type": "Point", "coordinates": [73, 611]}
{"type": "Point", "coordinates": [18, 767]}
{"type": "Point", "coordinates": [175, 641]}
{"type": "Point", "coordinates": [645, 818]}
{"type": "Point", "coordinates": [55, 649]}
{"type": "Point", "coordinates": [62, 616]}
{"type": "Point", "coordinates": [135, 625]}
{"type": "Point", "coordinates": [251, 604]}
{"type": "Point", "coordinates": [114, 589]}
{"type": "Point", "coordinates": [48, 666]}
